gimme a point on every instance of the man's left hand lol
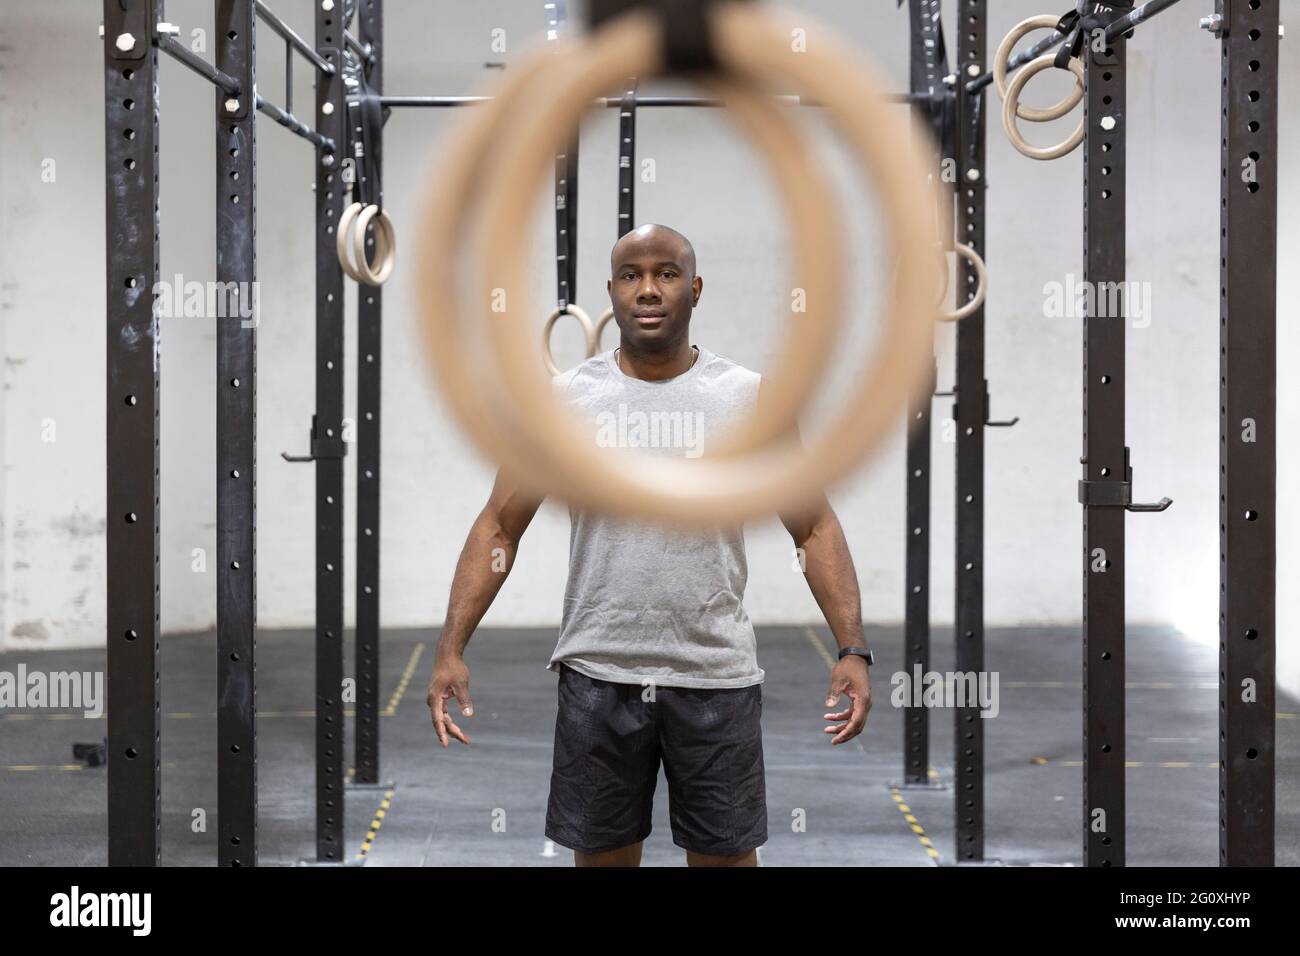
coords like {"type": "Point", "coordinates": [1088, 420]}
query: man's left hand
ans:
{"type": "Point", "coordinates": [850, 678]}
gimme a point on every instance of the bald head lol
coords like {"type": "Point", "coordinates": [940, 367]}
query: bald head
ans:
{"type": "Point", "coordinates": [653, 289]}
{"type": "Point", "coordinates": [657, 241]}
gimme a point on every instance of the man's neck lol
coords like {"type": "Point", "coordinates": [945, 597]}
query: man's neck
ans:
{"type": "Point", "coordinates": [655, 366]}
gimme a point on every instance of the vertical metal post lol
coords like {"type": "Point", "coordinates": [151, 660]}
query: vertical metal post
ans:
{"type": "Point", "coordinates": [327, 446]}
{"type": "Point", "coordinates": [369, 367]}
{"type": "Point", "coordinates": [926, 70]}
{"type": "Point", "coordinates": [566, 223]}
{"type": "Point", "coordinates": [131, 241]}
{"type": "Point", "coordinates": [236, 476]}
{"type": "Point", "coordinates": [1248, 433]}
{"type": "Point", "coordinates": [970, 414]}
{"type": "Point", "coordinates": [1105, 457]}
{"type": "Point", "coordinates": [627, 160]}
{"type": "Point", "coordinates": [566, 186]}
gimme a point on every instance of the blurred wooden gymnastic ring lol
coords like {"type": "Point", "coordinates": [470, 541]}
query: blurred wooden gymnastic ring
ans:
{"type": "Point", "coordinates": [813, 209]}
{"type": "Point", "coordinates": [751, 45]}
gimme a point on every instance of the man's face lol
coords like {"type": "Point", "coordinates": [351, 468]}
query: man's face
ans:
{"type": "Point", "coordinates": [652, 292]}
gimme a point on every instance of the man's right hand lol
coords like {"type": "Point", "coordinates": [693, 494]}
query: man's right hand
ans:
{"type": "Point", "coordinates": [450, 679]}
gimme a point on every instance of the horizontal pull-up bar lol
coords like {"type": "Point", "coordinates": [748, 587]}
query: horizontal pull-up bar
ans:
{"type": "Point", "coordinates": [1136, 16]}
{"type": "Point", "coordinates": [653, 101]}
{"type": "Point", "coordinates": [648, 101]}
{"type": "Point", "coordinates": [1019, 60]}
{"type": "Point", "coordinates": [295, 125]}
{"type": "Point", "coordinates": [297, 42]}
{"type": "Point", "coordinates": [202, 67]}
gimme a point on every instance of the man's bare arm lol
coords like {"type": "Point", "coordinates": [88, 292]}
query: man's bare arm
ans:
{"type": "Point", "coordinates": [484, 563]}
{"type": "Point", "coordinates": [485, 560]}
{"type": "Point", "coordinates": [828, 568]}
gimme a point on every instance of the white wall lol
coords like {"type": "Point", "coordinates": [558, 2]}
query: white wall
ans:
{"type": "Point", "coordinates": [52, 492]}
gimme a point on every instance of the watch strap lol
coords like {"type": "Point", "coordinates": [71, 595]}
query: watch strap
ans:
{"type": "Point", "coordinates": [862, 652]}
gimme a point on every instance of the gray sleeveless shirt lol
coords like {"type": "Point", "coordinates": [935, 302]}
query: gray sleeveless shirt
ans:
{"type": "Point", "coordinates": [646, 603]}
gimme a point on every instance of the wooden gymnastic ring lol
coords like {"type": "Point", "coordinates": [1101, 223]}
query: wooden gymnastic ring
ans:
{"type": "Point", "coordinates": [343, 240]}
{"type": "Point", "coordinates": [1002, 58]}
{"type": "Point", "coordinates": [814, 212]}
{"type": "Point", "coordinates": [588, 333]}
{"type": "Point", "coordinates": [818, 272]}
{"type": "Point", "coordinates": [981, 284]}
{"type": "Point", "coordinates": [385, 246]}
{"type": "Point", "coordinates": [606, 317]}
{"type": "Point", "coordinates": [1027, 72]}
{"type": "Point", "coordinates": [707, 490]}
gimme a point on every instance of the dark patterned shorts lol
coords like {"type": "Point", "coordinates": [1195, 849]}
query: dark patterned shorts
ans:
{"type": "Point", "coordinates": [608, 745]}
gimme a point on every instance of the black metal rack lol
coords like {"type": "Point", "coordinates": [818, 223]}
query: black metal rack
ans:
{"type": "Point", "coordinates": [1105, 457]}
{"type": "Point", "coordinates": [929, 70]}
{"type": "Point", "coordinates": [236, 477]}
{"type": "Point", "coordinates": [369, 47]}
{"type": "Point", "coordinates": [134, 37]}
{"type": "Point", "coordinates": [970, 413]}
{"type": "Point", "coordinates": [131, 244]}
{"type": "Point", "coordinates": [1248, 30]}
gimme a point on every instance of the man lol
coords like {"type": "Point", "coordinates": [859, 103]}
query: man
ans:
{"type": "Point", "coordinates": [656, 654]}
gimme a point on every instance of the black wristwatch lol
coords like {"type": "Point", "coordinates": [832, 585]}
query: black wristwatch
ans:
{"type": "Point", "coordinates": [862, 652]}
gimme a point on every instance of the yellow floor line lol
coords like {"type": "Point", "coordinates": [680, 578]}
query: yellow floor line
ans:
{"type": "Point", "coordinates": [815, 640]}
{"type": "Point", "coordinates": [406, 679]}
{"type": "Point", "coordinates": [818, 645]}
{"type": "Point", "coordinates": [1166, 764]}
{"type": "Point", "coordinates": [914, 824]}
{"type": "Point", "coordinates": [28, 768]}
{"type": "Point", "coordinates": [375, 824]}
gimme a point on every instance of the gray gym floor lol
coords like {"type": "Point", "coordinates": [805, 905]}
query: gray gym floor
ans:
{"type": "Point", "coordinates": [485, 805]}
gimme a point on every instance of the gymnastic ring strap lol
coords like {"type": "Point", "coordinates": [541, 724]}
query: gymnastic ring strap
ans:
{"type": "Point", "coordinates": [1080, 23]}
{"type": "Point", "coordinates": [687, 28]}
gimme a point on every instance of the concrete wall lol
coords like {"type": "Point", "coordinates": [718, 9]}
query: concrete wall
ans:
{"type": "Point", "coordinates": [52, 488]}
